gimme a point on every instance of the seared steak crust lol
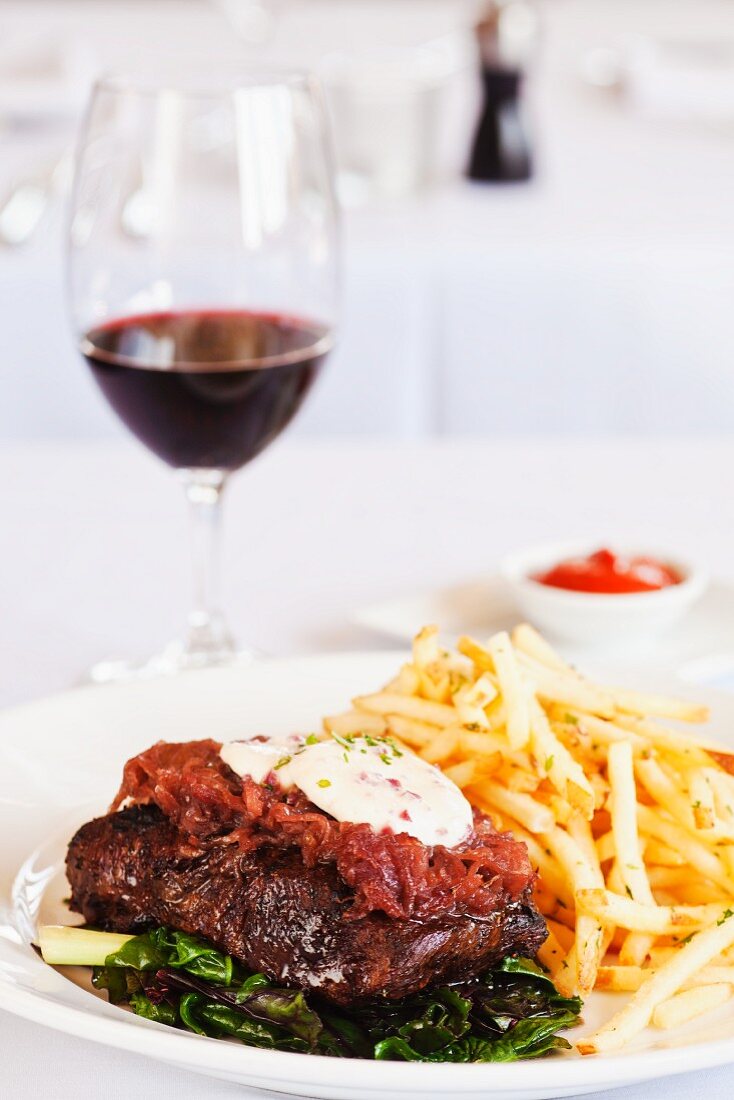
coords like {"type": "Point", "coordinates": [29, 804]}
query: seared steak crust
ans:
{"type": "Point", "coordinates": [133, 869]}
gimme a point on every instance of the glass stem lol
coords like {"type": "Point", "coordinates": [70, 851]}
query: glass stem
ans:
{"type": "Point", "coordinates": [208, 638]}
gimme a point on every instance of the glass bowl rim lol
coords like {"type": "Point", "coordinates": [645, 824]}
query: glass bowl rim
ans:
{"type": "Point", "coordinates": [201, 78]}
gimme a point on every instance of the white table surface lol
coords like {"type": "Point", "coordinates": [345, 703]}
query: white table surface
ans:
{"type": "Point", "coordinates": [93, 562]}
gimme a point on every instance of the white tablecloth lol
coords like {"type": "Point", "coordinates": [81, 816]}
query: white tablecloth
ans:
{"type": "Point", "coordinates": [93, 561]}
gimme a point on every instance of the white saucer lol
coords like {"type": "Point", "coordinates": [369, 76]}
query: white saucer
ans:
{"type": "Point", "coordinates": [700, 648]}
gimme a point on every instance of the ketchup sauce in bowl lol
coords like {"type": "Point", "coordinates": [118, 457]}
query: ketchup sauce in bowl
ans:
{"type": "Point", "coordinates": [598, 596]}
{"type": "Point", "coordinates": [608, 573]}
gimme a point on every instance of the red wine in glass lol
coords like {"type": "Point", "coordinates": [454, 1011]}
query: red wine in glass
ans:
{"type": "Point", "coordinates": [203, 283]}
{"type": "Point", "coordinates": [206, 389]}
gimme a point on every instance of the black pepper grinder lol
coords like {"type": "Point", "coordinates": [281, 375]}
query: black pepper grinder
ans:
{"type": "Point", "coordinates": [501, 150]}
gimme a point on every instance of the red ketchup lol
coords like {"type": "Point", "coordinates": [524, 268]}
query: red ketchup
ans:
{"type": "Point", "coordinates": [610, 574]}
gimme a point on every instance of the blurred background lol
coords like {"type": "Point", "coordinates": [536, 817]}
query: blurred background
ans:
{"type": "Point", "coordinates": [581, 283]}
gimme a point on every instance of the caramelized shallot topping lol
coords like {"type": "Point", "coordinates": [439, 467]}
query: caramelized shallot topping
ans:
{"type": "Point", "coordinates": [394, 873]}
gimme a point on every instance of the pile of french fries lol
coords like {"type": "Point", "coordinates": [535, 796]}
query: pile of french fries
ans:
{"type": "Point", "coordinates": [628, 821]}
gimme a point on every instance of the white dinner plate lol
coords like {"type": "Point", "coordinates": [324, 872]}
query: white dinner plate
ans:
{"type": "Point", "coordinates": [60, 762]}
{"type": "Point", "coordinates": [700, 647]}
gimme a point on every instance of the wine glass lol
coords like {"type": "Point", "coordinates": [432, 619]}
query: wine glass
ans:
{"type": "Point", "coordinates": [203, 275]}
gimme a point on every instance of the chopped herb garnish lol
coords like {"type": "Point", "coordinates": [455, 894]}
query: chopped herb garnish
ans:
{"type": "Point", "coordinates": [323, 782]}
{"type": "Point", "coordinates": [549, 763]}
{"type": "Point", "coordinates": [725, 916]}
{"type": "Point", "coordinates": [283, 761]}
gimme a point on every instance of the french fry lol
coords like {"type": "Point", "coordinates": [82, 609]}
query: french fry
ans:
{"type": "Point", "coordinates": [600, 787]}
{"type": "Point", "coordinates": [407, 681]}
{"type": "Point", "coordinates": [462, 774]}
{"type": "Point", "coordinates": [657, 853]}
{"type": "Point", "coordinates": [702, 799]}
{"type": "Point", "coordinates": [661, 787]}
{"type": "Point", "coordinates": [551, 953]}
{"type": "Point", "coordinates": [580, 832]}
{"type": "Point", "coordinates": [527, 639]}
{"type": "Point", "coordinates": [658, 706]}
{"type": "Point", "coordinates": [414, 732]}
{"type": "Point", "coordinates": [668, 876]}
{"type": "Point", "coordinates": [471, 700]}
{"type": "Point", "coordinates": [566, 688]}
{"type": "Point", "coordinates": [635, 948]}
{"type": "Point", "coordinates": [483, 744]}
{"type": "Point", "coordinates": [589, 753]}
{"type": "Point", "coordinates": [614, 880]}
{"type": "Point", "coordinates": [605, 847]}
{"type": "Point", "coordinates": [407, 706]}
{"type": "Point", "coordinates": [581, 872]}
{"type": "Point", "coordinates": [722, 786]}
{"type": "Point", "coordinates": [698, 893]}
{"type": "Point", "coordinates": [435, 684]}
{"type": "Point", "coordinates": [687, 1005]}
{"type": "Point", "coordinates": [563, 934]}
{"type": "Point", "coordinates": [542, 860]}
{"type": "Point", "coordinates": [628, 821]}
{"type": "Point", "coordinates": [426, 647]}
{"type": "Point", "coordinates": [536, 817]}
{"type": "Point", "coordinates": [660, 920]}
{"type": "Point", "coordinates": [703, 859]}
{"type": "Point", "coordinates": [665, 982]}
{"type": "Point", "coordinates": [627, 849]}
{"type": "Point", "coordinates": [556, 761]}
{"type": "Point", "coordinates": [477, 654]}
{"type": "Point", "coordinates": [712, 975]}
{"type": "Point", "coordinates": [513, 690]}
{"type": "Point", "coordinates": [566, 917]}
{"type": "Point", "coordinates": [585, 956]}
{"type": "Point", "coordinates": [600, 729]}
{"type": "Point", "coordinates": [355, 721]}
{"type": "Point", "coordinates": [442, 746]}
{"type": "Point", "coordinates": [563, 811]}
{"type": "Point", "coordinates": [516, 778]}
{"type": "Point", "coordinates": [621, 979]}
{"type": "Point", "coordinates": [694, 750]}
{"type": "Point", "coordinates": [628, 979]}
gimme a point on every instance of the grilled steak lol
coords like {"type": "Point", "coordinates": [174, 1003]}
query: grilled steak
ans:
{"type": "Point", "coordinates": [131, 870]}
{"type": "Point", "coordinates": [313, 902]}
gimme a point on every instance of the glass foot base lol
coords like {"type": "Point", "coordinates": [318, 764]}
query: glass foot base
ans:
{"type": "Point", "coordinates": [174, 660]}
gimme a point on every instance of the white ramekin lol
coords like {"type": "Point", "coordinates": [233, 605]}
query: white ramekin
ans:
{"type": "Point", "coordinates": [592, 618]}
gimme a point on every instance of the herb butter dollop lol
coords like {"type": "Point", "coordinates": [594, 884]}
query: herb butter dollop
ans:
{"type": "Point", "coordinates": [363, 779]}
